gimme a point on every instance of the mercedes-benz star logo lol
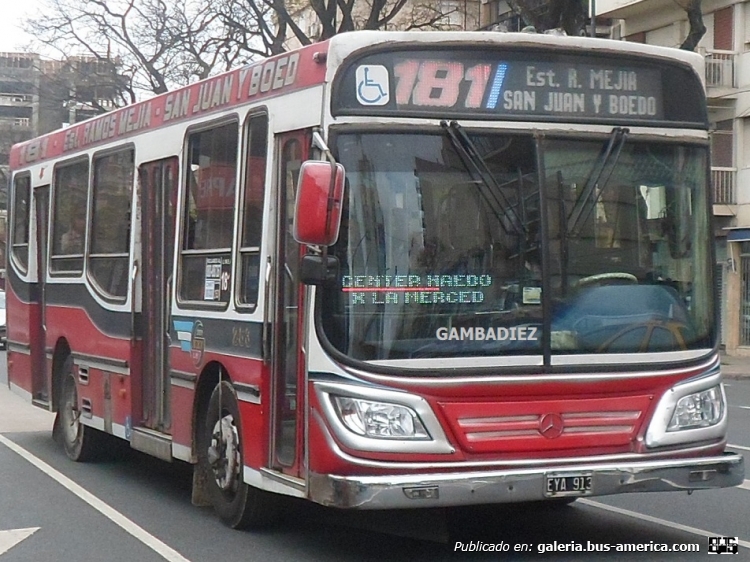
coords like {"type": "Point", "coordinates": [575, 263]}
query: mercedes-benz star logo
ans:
{"type": "Point", "coordinates": [551, 426]}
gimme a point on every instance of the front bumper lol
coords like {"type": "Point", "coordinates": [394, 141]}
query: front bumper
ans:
{"type": "Point", "coordinates": [523, 485]}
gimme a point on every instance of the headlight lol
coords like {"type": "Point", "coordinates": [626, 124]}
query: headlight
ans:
{"type": "Point", "coordinates": [700, 409]}
{"type": "Point", "coordinates": [379, 419]}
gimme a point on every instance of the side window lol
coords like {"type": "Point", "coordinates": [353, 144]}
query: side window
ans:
{"type": "Point", "coordinates": [210, 177]}
{"type": "Point", "coordinates": [252, 209]}
{"type": "Point", "coordinates": [291, 163]}
{"type": "Point", "coordinates": [20, 218]}
{"type": "Point", "coordinates": [69, 217]}
{"type": "Point", "coordinates": [110, 223]}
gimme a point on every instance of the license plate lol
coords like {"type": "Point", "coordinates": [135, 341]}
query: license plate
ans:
{"type": "Point", "coordinates": [567, 484]}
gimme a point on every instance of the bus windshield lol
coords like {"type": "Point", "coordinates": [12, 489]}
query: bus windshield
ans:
{"type": "Point", "coordinates": [466, 244]}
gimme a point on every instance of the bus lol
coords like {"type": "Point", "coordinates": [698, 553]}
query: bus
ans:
{"type": "Point", "coordinates": [388, 270]}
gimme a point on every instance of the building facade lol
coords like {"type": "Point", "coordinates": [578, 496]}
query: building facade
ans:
{"type": "Point", "coordinates": [726, 49]}
{"type": "Point", "coordinates": [38, 96]}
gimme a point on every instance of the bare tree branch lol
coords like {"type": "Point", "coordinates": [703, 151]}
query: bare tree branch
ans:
{"type": "Point", "coordinates": [165, 43]}
{"type": "Point", "coordinates": [697, 27]}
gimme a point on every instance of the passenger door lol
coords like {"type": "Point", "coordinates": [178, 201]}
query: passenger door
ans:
{"type": "Point", "coordinates": [158, 194]}
{"type": "Point", "coordinates": [288, 361]}
{"type": "Point", "coordinates": [40, 372]}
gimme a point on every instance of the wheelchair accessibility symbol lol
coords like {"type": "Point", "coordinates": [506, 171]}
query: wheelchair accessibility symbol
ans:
{"type": "Point", "coordinates": [372, 85]}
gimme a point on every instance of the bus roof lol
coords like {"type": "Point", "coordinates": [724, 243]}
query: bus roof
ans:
{"type": "Point", "coordinates": [288, 72]}
{"type": "Point", "coordinates": [345, 43]}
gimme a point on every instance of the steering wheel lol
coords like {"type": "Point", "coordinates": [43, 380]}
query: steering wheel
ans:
{"type": "Point", "coordinates": [599, 277]}
{"type": "Point", "coordinates": [673, 328]}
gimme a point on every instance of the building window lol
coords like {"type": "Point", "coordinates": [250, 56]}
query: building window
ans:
{"type": "Point", "coordinates": [639, 37]}
{"type": "Point", "coordinates": [69, 217]}
{"type": "Point", "coordinates": [452, 15]}
{"type": "Point", "coordinates": [498, 17]}
{"type": "Point", "coordinates": [205, 262]}
{"type": "Point", "coordinates": [723, 29]}
{"type": "Point", "coordinates": [110, 223]}
{"type": "Point", "coordinates": [722, 142]}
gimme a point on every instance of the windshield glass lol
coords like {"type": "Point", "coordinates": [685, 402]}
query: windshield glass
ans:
{"type": "Point", "coordinates": [629, 246]}
{"type": "Point", "coordinates": [442, 241]}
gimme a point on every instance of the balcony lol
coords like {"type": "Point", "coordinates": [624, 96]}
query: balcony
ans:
{"type": "Point", "coordinates": [16, 99]}
{"type": "Point", "coordinates": [723, 186]}
{"type": "Point", "coordinates": [720, 68]}
{"type": "Point", "coordinates": [15, 122]}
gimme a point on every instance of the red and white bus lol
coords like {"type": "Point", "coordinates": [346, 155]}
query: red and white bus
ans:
{"type": "Point", "coordinates": [389, 270]}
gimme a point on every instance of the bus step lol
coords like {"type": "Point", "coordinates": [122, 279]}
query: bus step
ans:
{"type": "Point", "coordinates": [41, 403]}
{"type": "Point", "coordinates": [152, 443]}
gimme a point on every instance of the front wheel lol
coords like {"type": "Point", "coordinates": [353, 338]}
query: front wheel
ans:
{"type": "Point", "coordinates": [238, 505]}
{"type": "Point", "coordinates": [81, 443]}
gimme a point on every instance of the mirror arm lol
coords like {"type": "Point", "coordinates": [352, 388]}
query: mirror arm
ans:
{"type": "Point", "coordinates": [320, 143]}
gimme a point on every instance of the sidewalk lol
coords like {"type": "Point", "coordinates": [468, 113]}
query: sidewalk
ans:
{"type": "Point", "coordinates": [735, 367]}
{"type": "Point", "coordinates": [17, 415]}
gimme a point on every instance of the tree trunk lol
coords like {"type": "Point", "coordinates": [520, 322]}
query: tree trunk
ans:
{"type": "Point", "coordinates": [697, 28]}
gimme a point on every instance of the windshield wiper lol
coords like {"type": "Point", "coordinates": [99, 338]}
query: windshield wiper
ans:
{"type": "Point", "coordinates": [488, 186]}
{"type": "Point", "coordinates": [607, 159]}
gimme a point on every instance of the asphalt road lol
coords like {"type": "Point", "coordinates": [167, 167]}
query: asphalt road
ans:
{"type": "Point", "coordinates": [132, 507]}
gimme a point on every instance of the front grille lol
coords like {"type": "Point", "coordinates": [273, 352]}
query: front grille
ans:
{"type": "Point", "coordinates": [520, 427]}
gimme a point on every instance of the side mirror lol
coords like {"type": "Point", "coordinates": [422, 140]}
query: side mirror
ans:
{"type": "Point", "coordinates": [317, 210]}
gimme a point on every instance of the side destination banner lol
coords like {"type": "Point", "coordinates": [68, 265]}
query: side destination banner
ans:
{"type": "Point", "coordinates": [267, 78]}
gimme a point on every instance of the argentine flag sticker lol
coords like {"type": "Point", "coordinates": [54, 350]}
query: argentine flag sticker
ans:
{"type": "Point", "coordinates": [184, 329]}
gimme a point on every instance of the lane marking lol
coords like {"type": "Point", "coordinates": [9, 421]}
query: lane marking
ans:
{"type": "Point", "coordinates": [742, 448]}
{"type": "Point", "coordinates": [745, 485]}
{"type": "Point", "coordinates": [161, 548]}
{"type": "Point", "coordinates": [10, 538]}
{"type": "Point", "coordinates": [656, 520]}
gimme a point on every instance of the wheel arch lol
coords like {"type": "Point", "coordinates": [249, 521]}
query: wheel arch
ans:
{"type": "Point", "coordinates": [209, 377]}
{"type": "Point", "coordinates": [59, 355]}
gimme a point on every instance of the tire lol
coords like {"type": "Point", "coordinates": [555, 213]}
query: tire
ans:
{"type": "Point", "coordinates": [237, 504]}
{"type": "Point", "coordinates": [81, 443]}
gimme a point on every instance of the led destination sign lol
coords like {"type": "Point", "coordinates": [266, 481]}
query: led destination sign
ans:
{"type": "Point", "coordinates": [515, 85]}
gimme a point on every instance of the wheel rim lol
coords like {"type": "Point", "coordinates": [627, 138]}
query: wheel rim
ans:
{"type": "Point", "coordinates": [71, 414]}
{"type": "Point", "coordinates": [224, 454]}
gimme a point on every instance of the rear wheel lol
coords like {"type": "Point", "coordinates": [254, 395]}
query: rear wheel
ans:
{"type": "Point", "coordinates": [238, 505]}
{"type": "Point", "coordinates": [81, 443]}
